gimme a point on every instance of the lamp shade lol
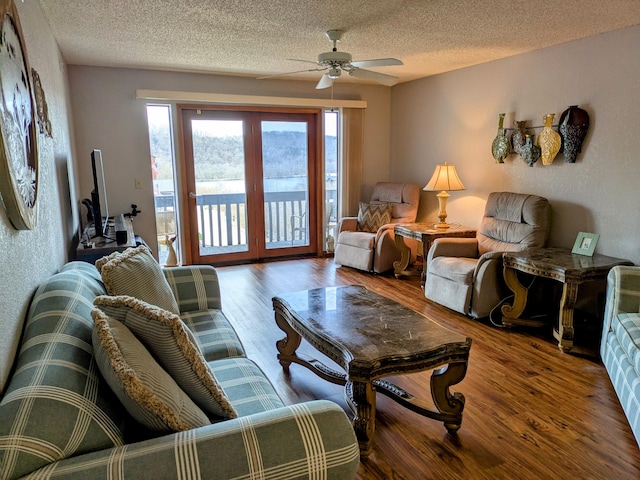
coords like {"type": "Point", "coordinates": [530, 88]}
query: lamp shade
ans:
{"type": "Point", "coordinates": [444, 178]}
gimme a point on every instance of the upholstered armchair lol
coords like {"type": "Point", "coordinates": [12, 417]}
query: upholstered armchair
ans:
{"type": "Point", "coordinates": [465, 274]}
{"type": "Point", "coordinates": [367, 242]}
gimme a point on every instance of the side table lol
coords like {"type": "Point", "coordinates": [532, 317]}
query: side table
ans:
{"type": "Point", "coordinates": [561, 265]}
{"type": "Point", "coordinates": [426, 234]}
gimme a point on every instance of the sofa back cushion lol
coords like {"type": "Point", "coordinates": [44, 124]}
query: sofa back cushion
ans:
{"type": "Point", "coordinates": [56, 404]}
{"type": "Point", "coordinates": [404, 198]}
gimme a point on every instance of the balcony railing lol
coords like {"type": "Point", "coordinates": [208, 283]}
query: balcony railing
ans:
{"type": "Point", "coordinates": [222, 219]}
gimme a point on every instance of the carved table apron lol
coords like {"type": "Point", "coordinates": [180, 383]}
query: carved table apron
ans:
{"type": "Point", "coordinates": [371, 337]}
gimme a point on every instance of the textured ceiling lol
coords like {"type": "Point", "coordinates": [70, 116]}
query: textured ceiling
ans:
{"type": "Point", "coordinates": [256, 38]}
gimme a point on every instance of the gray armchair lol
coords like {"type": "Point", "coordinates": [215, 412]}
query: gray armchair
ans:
{"type": "Point", "coordinates": [465, 274]}
{"type": "Point", "coordinates": [376, 251]}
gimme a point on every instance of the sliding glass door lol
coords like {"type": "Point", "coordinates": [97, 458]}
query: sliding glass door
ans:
{"type": "Point", "coordinates": [251, 183]}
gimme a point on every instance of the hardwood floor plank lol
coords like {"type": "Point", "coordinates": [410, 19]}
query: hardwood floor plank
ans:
{"type": "Point", "coordinates": [531, 411]}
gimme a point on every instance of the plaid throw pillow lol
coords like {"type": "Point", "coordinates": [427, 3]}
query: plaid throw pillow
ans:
{"type": "Point", "coordinates": [372, 216]}
{"type": "Point", "coordinates": [136, 273]}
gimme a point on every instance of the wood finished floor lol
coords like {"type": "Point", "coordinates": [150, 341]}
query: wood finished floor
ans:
{"type": "Point", "coordinates": [531, 411]}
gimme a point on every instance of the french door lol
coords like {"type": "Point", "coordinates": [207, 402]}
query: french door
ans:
{"type": "Point", "coordinates": [250, 178]}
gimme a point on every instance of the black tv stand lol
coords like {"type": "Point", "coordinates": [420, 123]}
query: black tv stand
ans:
{"type": "Point", "coordinates": [92, 247]}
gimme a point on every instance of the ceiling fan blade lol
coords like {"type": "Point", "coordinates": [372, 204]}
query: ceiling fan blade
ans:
{"type": "Point", "coordinates": [291, 73]}
{"type": "Point", "coordinates": [387, 80]}
{"type": "Point", "coordinates": [325, 82]}
{"type": "Point", "coordinates": [378, 62]}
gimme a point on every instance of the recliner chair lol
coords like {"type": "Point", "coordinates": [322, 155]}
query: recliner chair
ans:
{"type": "Point", "coordinates": [465, 274]}
{"type": "Point", "coordinates": [376, 251]}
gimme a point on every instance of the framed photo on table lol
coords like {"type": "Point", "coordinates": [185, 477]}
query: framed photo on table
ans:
{"type": "Point", "coordinates": [585, 243]}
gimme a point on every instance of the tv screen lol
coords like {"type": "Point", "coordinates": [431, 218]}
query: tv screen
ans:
{"type": "Point", "coordinates": [99, 203]}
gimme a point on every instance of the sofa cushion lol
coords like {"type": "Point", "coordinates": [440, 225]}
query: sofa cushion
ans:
{"type": "Point", "coordinates": [214, 334]}
{"type": "Point", "coordinates": [362, 240]}
{"type": "Point", "coordinates": [136, 273]}
{"type": "Point", "coordinates": [56, 405]}
{"type": "Point", "coordinates": [626, 328]}
{"type": "Point", "coordinates": [371, 216]}
{"type": "Point", "coordinates": [147, 392]}
{"type": "Point", "coordinates": [245, 385]}
{"type": "Point", "coordinates": [174, 347]}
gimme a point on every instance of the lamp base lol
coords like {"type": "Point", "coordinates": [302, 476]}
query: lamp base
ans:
{"type": "Point", "coordinates": [442, 214]}
{"type": "Point", "coordinates": [442, 225]}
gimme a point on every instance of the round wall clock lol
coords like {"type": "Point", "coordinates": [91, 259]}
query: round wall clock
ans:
{"type": "Point", "coordinates": [18, 133]}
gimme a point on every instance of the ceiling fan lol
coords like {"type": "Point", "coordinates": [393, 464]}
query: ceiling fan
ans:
{"type": "Point", "coordinates": [335, 63]}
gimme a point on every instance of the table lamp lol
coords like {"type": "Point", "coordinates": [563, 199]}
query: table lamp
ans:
{"type": "Point", "coordinates": [445, 178]}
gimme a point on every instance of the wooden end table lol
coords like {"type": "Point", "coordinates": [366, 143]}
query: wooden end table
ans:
{"type": "Point", "coordinates": [426, 234]}
{"type": "Point", "coordinates": [561, 265]}
{"type": "Point", "coordinates": [371, 337]}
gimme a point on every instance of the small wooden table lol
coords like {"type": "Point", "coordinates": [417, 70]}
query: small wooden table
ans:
{"type": "Point", "coordinates": [426, 234]}
{"type": "Point", "coordinates": [561, 265]}
{"type": "Point", "coordinates": [370, 337]}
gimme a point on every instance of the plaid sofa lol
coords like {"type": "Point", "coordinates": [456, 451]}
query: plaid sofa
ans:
{"type": "Point", "coordinates": [59, 419]}
{"type": "Point", "coordinates": [620, 346]}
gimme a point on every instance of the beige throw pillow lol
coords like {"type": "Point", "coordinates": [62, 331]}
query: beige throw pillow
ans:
{"type": "Point", "coordinates": [171, 342]}
{"type": "Point", "coordinates": [136, 273]}
{"type": "Point", "coordinates": [371, 216]}
{"type": "Point", "coordinates": [147, 392]}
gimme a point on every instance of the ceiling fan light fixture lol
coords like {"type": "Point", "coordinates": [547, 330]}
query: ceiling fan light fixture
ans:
{"type": "Point", "coordinates": [334, 73]}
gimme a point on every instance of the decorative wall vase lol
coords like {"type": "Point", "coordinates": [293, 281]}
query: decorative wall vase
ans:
{"type": "Point", "coordinates": [573, 127]}
{"type": "Point", "coordinates": [518, 136]}
{"type": "Point", "coordinates": [549, 140]}
{"type": "Point", "coordinates": [529, 152]}
{"type": "Point", "coordinates": [501, 146]}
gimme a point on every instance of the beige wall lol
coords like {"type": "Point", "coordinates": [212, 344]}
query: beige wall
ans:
{"type": "Point", "coordinates": [28, 257]}
{"type": "Point", "coordinates": [109, 117]}
{"type": "Point", "coordinates": [453, 117]}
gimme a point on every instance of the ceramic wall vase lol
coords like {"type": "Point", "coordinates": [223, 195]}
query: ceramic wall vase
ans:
{"type": "Point", "coordinates": [573, 127]}
{"type": "Point", "coordinates": [529, 152]}
{"type": "Point", "coordinates": [549, 140]}
{"type": "Point", "coordinates": [518, 136]}
{"type": "Point", "coordinates": [501, 145]}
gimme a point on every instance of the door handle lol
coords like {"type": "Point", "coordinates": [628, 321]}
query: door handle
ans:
{"type": "Point", "coordinates": [192, 195]}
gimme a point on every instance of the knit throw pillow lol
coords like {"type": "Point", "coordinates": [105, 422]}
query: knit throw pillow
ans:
{"type": "Point", "coordinates": [136, 273]}
{"type": "Point", "coordinates": [171, 342]}
{"type": "Point", "coordinates": [371, 216]}
{"type": "Point", "coordinates": [147, 392]}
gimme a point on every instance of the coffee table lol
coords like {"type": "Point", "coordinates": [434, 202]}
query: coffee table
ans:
{"type": "Point", "coordinates": [372, 337]}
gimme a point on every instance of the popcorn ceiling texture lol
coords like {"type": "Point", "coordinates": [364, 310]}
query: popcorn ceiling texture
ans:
{"type": "Point", "coordinates": [258, 37]}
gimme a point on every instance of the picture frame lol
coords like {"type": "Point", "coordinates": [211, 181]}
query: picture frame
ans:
{"type": "Point", "coordinates": [585, 244]}
{"type": "Point", "coordinates": [18, 128]}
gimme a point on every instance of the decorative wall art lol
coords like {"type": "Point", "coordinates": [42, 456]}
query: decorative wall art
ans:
{"type": "Point", "coordinates": [18, 135]}
{"type": "Point", "coordinates": [41, 103]}
{"type": "Point", "coordinates": [501, 146]}
{"type": "Point", "coordinates": [566, 137]}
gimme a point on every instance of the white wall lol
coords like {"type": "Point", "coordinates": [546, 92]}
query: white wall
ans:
{"type": "Point", "coordinates": [453, 117]}
{"type": "Point", "coordinates": [109, 117]}
{"type": "Point", "coordinates": [27, 257]}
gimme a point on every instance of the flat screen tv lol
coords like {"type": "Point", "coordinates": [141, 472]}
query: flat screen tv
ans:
{"type": "Point", "coordinates": [99, 203]}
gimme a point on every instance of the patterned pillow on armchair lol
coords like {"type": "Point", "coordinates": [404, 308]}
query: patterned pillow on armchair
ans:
{"type": "Point", "coordinates": [371, 216]}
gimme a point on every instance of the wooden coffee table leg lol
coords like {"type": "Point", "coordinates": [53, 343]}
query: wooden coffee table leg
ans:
{"type": "Point", "coordinates": [450, 404]}
{"type": "Point", "coordinates": [288, 345]}
{"type": "Point", "coordinates": [361, 398]}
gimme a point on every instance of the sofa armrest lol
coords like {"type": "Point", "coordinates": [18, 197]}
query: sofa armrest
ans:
{"type": "Point", "coordinates": [308, 440]}
{"type": "Point", "coordinates": [195, 287]}
{"type": "Point", "coordinates": [623, 293]}
{"type": "Point", "coordinates": [453, 247]}
{"type": "Point", "coordinates": [348, 224]}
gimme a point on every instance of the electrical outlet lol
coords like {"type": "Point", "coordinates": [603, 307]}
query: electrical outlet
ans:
{"type": "Point", "coordinates": [138, 183]}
